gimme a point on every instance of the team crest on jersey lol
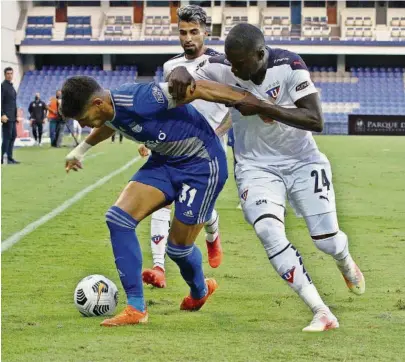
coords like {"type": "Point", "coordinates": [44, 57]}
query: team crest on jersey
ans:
{"type": "Point", "coordinates": [273, 92]}
{"type": "Point", "coordinates": [244, 195]}
{"type": "Point", "coordinates": [135, 127]}
{"type": "Point", "coordinates": [289, 275]}
{"type": "Point", "coordinates": [158, 94]}
{"type": "Point", "coordinates": [157, 239]}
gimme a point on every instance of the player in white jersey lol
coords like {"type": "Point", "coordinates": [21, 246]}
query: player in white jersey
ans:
{"type": "Point", "coordinates": [192, 33]}
{"type": "Point", "coordinates": [276, 156]}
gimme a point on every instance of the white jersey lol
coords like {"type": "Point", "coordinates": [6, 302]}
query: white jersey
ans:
{"type": "Point", "coordinates": [214, 113]}
{"type": "Point", "coordinates": [259, 144]}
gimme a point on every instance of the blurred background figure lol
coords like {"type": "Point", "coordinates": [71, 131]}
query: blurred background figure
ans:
{"type": "Point", "coordinates": [77, 130]}
{"type": "Point", "coordinates": [54, 118]}
{"type": "Point", "coordinates": [37, 111]}
{"type": "Point", "coordinates": [113, 137]}
{"type": "Point", "coordinates": [8, 116]}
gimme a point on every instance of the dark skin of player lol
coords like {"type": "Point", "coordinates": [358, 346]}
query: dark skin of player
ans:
{"type": "Point", "coordinates": [252, 65]}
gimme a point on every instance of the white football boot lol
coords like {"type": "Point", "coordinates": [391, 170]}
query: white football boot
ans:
{"type": "Point", "coordinates": [323, 320]}
{"type": "Point", "coordinates": [352, 275]}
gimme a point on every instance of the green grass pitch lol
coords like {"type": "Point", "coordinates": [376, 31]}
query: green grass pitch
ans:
{"type": "Point", "coordinates": [253, 316]}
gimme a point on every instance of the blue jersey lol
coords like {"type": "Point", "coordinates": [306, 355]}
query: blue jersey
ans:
{"type": "Point", "coordinates": [146, 113]}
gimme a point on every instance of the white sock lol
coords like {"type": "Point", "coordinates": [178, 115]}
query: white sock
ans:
{"type": "Point", "coordinates": [211, 227]}
{"type": "Point", "coordinates": [287, 261]}
{"type": "Point", "coordinates": [290, 267]}
{"type": "Point", "coordinates": [159, 230]}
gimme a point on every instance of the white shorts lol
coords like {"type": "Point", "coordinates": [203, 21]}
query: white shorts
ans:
{"type": "Point", "coordinates": [308, 187]}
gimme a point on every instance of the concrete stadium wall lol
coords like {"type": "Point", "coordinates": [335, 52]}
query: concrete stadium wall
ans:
{"type": "Point", "coordinates": [10, 12]}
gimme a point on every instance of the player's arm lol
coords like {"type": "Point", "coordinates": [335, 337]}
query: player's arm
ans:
{"type": "Point", "coordinates": [180, 78]}
{"type": "Point", "coordinates": [225, 125]}
{"type": "Point", "coordinates": [208, 91]}
{"type": "Point", "coordinates": [75, 157]}
{"type": "Point", "coordinates": [307, 115]}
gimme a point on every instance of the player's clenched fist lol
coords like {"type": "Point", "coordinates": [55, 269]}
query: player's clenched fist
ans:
{"type": "Point", "coordinates": [143, 151]}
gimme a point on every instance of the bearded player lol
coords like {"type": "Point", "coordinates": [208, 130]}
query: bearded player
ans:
{"type": "Point", "coordinates": [276, 156]}
{"type": "Point", "coordinates": [192, 28]}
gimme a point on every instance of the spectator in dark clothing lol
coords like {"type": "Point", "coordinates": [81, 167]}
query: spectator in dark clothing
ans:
{"type": "Point", "coordinates": [8, 116]}
{"type": "Point", "coordinates": [37, 110]}
{"type": "Point", "coordinates": [113, 137]}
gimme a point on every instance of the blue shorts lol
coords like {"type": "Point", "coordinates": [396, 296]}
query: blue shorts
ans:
{"type": "Point", "coordinates": [193, 186]}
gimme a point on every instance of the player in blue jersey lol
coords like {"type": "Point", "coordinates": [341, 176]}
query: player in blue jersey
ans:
{"type": "Point", "coordinates": [187, 167]}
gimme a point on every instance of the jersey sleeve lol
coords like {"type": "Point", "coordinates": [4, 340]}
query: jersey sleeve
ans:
{"type": "Point", "coordinates": [166, 71]}
{"type": "Point", "coordinates": [214, 68]}
{"type": "Point", "coordinates": [149, 99]}
{"type": "Point", "coordinates": [299, 81]}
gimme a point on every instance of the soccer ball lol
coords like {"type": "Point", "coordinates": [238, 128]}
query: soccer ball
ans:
{"type": "Point", "coordinates": [96, 295]}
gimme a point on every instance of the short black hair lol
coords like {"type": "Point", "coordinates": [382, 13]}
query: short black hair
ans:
{"type": "Point", "coordinates": [76, 94]}
{"type": "Point", "coordinates": [244, 37]}
{"type": "Point", "coordinates": [7, 70]}
{"type": "Point", "coordinates": [192, 14]}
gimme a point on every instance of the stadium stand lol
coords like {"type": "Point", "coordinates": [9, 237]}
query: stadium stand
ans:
{"type": "Point", "coordinates": [49, 79]}
{"type": "Point", "coordinates": [343, 92]}
{"type": "Point", "coordinates": [349, 93]}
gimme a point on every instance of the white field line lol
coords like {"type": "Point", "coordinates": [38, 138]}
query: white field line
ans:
{"type": "Point", "coordinates": [15, 238]}
{"type": "Point", "coordinates": [92, 155]}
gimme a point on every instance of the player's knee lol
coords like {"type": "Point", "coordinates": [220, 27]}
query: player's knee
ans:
{"type": "Point", "coordinates": [271, 232]}
{"type": "Point", "coordinates": [331, 244]}
{"type": "Point", "coordinates": [118, 219]}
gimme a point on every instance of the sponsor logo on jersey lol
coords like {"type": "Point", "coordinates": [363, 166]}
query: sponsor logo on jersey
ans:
{"type": "Point", "coordinates": [259, 202]}
{"type": "Point", "coordinates": [302, 86]}
{"type": "Point", "coordinates": [289, 275]}
{"type": "Point", "coordinates": [240, 86]}
{"type": "Point", "coordinates": [273, 92]}
{"type": "Point", "coordinates": [201, 64]}
{"type": "Point", "coordinates": [244, 195]}
{"type": "Point", "coordinates": [158, 94]}
{"type": "Point", "coordinates": [157, 238]}
{"type": "Point", "coordinates": [135, 127]}
{"type": "Point", "coordinates": [188, 213]}
{"type": "Point", "coordinates": [281, 60]}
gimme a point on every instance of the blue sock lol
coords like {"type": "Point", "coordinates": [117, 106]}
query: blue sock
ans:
{"type": "Point", "coordinates": [189, 260]}
{"type": "Point", "coordinates": [127, 253]}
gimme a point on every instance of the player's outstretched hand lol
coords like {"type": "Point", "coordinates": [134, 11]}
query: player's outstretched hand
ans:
{"type": "Point", "coordinates": [179, 80]}
{"type": "Point", "coordinates": [143, 151]}
{"type": "Point", "coordinates": [73, 164]}
{"type": "Point", "coordinates": [249, 105]}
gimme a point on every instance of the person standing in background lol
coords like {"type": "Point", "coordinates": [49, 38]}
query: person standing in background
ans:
{"type": "Point", "coordinates": [77, 130]}
{"type": "Point", "coordinates": [8, 116]}
{"type": "Point", "coordinates": [113, 137]}
{"type": "Point", "coordinates": [54, 117]}
{"type": "Point", "coordinates": [37, 110]}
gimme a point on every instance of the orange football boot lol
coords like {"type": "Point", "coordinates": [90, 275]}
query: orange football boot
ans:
{"type": "Point", "coordinates": [191, 304]}
{"type": "Point", "coordinates": [128, 316]}
{"type": "Point", "coordinates": [214, 252]}
{"type": "Point", "coordinates": [155, 277]}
